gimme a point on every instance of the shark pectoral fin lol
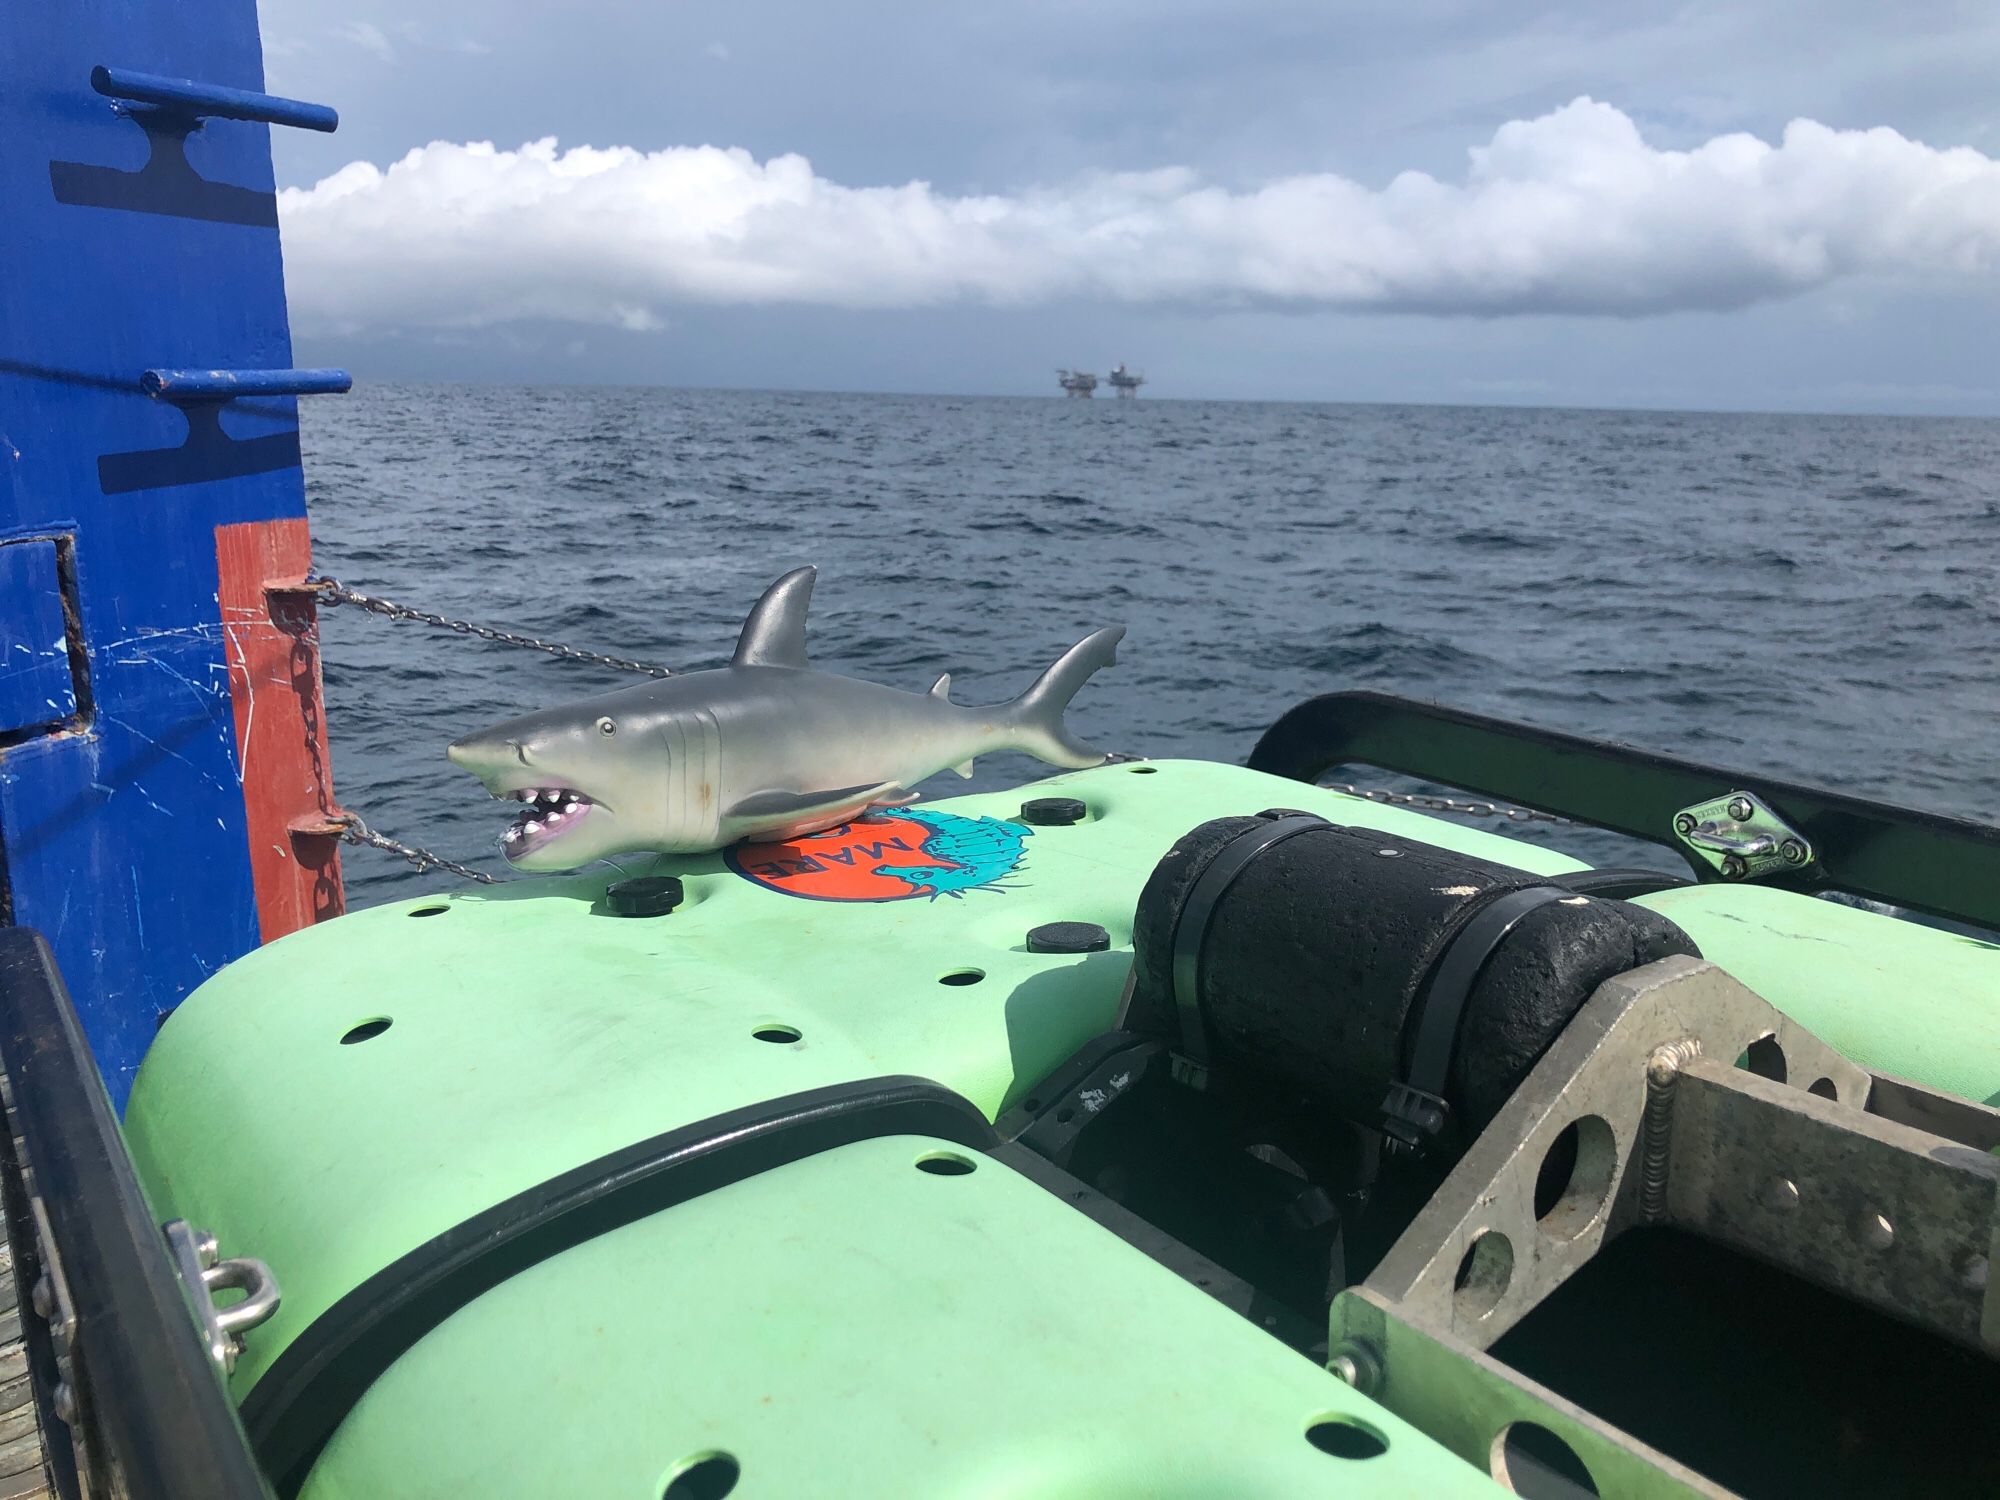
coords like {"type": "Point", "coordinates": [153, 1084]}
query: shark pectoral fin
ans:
{"type": "Point", "coordinates": [964, 768]}
{"type": "Point", "coordinates": [775, 633]}
{"type": "Point", "coordinates": [788, 805]}
{"type": "Point", "coordinates": [941, 689]}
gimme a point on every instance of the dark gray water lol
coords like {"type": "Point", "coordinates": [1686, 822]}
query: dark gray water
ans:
{"type": "Point", "coordinates": [1809, 596]}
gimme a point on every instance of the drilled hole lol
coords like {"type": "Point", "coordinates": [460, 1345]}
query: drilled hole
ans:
{"type": "Point", "coordinates": [1345, 1437]}
{"type": "Point", "coordinates": [777, 1033]}
{"type": "Point", "coordinates": [1575, 1177]}
{"type": "Point", "coordinates": [1779, 1194]}
{"type": "Point", "coordinates": [945, 1164]}
{"type": "Point", "coordinates": [1766, 1059]}
{"type": "Point", "coordinates": [1483, 1275]}
{"type": "Point", "coordinates": [1970, 1267]}
{"type": "Point", "coordinates": [365, 1030]}
{"type": "Point", "coordinates": [1824, 1088]}
{"type": "Point", "coordinates": [429, 911]}
{"type": "Point", "coordinates": [1065, 1115]}
{"type": "Point", "coordinates": [1532, 1461]}
{"type": "Point", "coordinates": [1874, 1230]}
{"type": "Point", "coordinates": [1143, 770]}
{"type": "Point", "coordinates": [1031, 1104]}
{"type": "Point", "coordinates": [708, 1476]}
{"type": "Point", "coordinates": [962, 976]}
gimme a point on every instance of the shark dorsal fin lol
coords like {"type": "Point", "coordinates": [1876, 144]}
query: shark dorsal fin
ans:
{"type": "Point", "coordinates": [775, 633]}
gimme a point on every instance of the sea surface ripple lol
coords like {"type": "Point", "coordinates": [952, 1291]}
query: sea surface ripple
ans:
{"type": "Point", "coordinates": [1812, 597]}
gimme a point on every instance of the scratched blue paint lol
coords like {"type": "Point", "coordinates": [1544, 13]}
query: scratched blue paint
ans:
{"type": "Point", "coordinates": [125, 842]}
{"type": "Point", "coordinates": [35, 685]}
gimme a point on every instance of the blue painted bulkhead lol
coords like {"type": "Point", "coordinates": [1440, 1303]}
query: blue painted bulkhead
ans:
{"type": "Point", "coordinates": [135, 235]}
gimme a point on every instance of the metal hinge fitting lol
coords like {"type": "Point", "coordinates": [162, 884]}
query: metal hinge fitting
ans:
{"type": "Point", "coordinates": [196, 1256]}
{"type": "Point", "coordinates": [1741, 838]}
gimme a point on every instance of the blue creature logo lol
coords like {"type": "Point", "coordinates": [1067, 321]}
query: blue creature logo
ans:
{"type": "Point", "coordinates": [970, 854]}
{"type": "Point", "coordinates": [893, 855]}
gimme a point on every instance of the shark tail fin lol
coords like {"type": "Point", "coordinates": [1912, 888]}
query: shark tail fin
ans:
{"type": "Point", "coordinates": [1035, 719]}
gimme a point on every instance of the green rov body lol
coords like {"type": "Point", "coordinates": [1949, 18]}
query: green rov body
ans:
{"type": "Point", "coordinates": [832, 1182]}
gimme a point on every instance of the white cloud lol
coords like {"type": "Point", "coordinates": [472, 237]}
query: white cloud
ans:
{"type": "Point", "coordinates": [369, 36]}
{"type": "Point", "coordinates": [1572, 212]}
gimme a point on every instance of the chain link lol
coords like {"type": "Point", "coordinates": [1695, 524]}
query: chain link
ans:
{"type": "Point", "coordinates": [333, 591]}
{"type": "Point", "coordinates": [1445, 804]}
{"type": "Point", "coordinates": [357, 832]}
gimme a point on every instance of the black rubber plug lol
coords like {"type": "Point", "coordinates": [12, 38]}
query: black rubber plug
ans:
{"type": "Point", "coordinates": [1068, 937]}
{"type": "Point", "coordinates": [644, 896]}
{"type": "Point", "coordinates": [1053, 812]}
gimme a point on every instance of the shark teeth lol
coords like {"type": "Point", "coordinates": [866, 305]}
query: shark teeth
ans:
{"type": "Point", "coordinates": [543, 799]}
{"type": "Point", "coordinates": [546, 810]}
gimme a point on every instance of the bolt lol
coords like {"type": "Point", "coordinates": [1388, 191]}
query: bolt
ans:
{"type": "Point", "coordinates": [43, 1297]}
{"type": "Point", "coordinates": [1733, 867]}
{"type": "Point", "coordinates": [1741, 809]}
{"type": "Point", "coordinates": [1793, 851]}
{"type": "Point", "coordinates": [1684, 823]}
{"type": "Point", "coordinates": [1354, 1363]}
{"type": "Point", "coordinates": [64, 1401]}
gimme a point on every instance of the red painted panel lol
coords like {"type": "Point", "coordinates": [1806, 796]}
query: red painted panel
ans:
{"type": "Point", "coordinates": [272, 644]}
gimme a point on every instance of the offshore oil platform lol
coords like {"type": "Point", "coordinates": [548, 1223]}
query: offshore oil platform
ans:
{"type": "Point", "coordinates": [1082, 383]}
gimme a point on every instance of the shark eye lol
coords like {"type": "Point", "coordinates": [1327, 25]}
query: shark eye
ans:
{"type": "Point", "coordinates": [606, 726]}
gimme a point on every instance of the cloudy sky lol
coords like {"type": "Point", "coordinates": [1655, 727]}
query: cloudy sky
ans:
{"type": "Point", "coordinates": [1779, 204]}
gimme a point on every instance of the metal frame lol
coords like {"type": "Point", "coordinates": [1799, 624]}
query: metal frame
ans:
{"type": "Point", "coordinates": [1878, 1190]}
{"type": "Point", "coordinates": [1945, 866]}
{"type": "Point", "coordinates": [111, 1319]}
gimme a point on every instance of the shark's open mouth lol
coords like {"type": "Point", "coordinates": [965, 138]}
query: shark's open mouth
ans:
{"type": "Point", "coordinates": [551, 812]}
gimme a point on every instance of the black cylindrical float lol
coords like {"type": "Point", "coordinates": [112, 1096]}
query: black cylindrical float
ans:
{"type": "Point", "coordinates": [1310, 954]}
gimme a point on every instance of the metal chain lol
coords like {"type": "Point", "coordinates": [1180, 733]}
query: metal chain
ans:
{"type": "Point", "coordinates": [1446, 804]}
{"type": "Point", "coordinates": [358, 832]}
{"type": "Point", "coordinates": [333, 591]}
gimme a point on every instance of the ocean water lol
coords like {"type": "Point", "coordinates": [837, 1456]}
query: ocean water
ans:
{"type": "Point", "coordinates": [1814, 597]}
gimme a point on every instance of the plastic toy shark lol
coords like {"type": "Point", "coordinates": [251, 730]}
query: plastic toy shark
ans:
{"type": "Point", "coordinates": [763, 748]}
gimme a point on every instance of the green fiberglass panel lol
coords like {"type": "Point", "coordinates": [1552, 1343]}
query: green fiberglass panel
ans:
{"type": "Point", "coordinates": [1892, 995]}
{"type": "Point", "coordinates": [529, 1032]}
{"type": "Point", "coordinates": [851, 1325]}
